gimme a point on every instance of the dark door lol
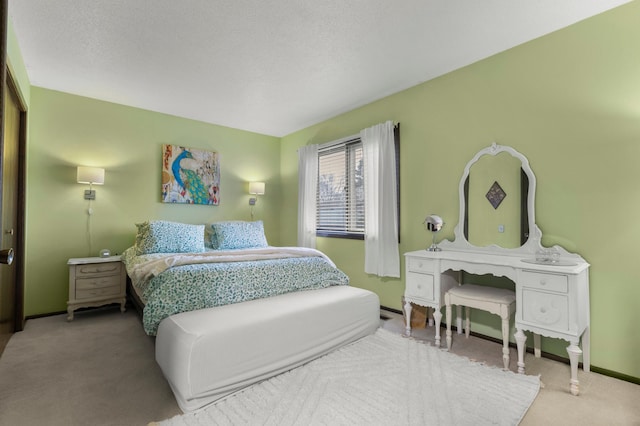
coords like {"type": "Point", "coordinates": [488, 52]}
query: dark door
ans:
{"type": "Point", "coordinates": [10, 217]}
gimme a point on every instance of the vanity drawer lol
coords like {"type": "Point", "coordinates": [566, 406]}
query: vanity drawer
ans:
{"type": "Point", "coordinates": [420, 286]}
{"type": "Point", "coordinates": [417, 264]}
{"type": "Point", "coordinates": [545, 309]}
{"type": "Point", "coordinates": [93, 269]}
{"type": "Point", "coordinates": [544, 281]}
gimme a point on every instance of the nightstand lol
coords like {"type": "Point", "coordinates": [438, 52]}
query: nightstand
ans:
{"type": "Point", "coordinates": [96, 281]}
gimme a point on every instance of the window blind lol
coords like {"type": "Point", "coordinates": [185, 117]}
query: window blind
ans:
{"type": "Point", "coordinates": [340, 195]}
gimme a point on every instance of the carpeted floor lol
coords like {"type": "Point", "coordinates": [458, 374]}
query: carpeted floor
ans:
{"type": "Point", "coordinates": [100, 370]}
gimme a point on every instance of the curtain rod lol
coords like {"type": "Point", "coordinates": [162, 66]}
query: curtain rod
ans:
{"type": "Point", "coordinates": [330, 144]}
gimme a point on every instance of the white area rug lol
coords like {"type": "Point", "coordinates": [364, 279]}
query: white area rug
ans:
{"type": "Point", "coordinates": [383, 379]}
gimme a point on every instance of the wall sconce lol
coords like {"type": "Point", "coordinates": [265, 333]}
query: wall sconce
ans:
{"type": "Point", "coordinates": [91, 176]}
{"type": "Point", "coordinates": [255, 188]}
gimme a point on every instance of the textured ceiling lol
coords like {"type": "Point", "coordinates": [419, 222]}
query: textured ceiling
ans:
{"type": "Point", "coordinates": [266, 66]}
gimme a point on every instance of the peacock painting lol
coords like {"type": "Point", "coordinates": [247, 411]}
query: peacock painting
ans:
{"type": "Point", "coordinates": [190, 176]}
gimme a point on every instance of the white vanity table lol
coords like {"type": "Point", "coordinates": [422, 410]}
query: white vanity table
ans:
{"type": "Point", "coordinates": [552, 296]}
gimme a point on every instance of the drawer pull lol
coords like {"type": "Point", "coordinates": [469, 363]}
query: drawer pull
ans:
{"type": "Point", "coordinates": [543, 310]}
{"type": "Point", "coordinates": [419, 286]}
{"type": "Point", "coordinates": [543, 282]}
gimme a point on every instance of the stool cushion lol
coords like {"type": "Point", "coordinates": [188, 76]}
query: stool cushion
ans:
{"type": "Point", "coordinates": [484, 293]}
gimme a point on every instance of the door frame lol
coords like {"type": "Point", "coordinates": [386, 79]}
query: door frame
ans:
{"type": "Point", "coordinates": [19, 249]}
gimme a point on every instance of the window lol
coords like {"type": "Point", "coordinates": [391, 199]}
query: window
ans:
{"type": "Point", "coordinates": [340, 195]}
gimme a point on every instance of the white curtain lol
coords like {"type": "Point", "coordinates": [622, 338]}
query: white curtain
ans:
{"type": "Point", "coordinates": [381, 252]}
{"type": "Point", "coordinates": [307, 187]}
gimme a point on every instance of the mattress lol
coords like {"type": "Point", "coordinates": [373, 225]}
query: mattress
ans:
{"type": "Point", "coordinates": [211, 353]}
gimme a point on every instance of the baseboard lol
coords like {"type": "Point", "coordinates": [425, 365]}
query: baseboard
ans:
{"type": "Point", "coordinates": [48, 314]}
{"type": "Point", "coordinates": [616, 375]}
{"type": "Point", "coordinates": [384, 311]}
{"type": "Point", "coordinates": [90, 308]}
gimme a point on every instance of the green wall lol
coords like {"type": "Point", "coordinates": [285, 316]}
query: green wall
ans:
{"type": "Point", "coordinates": [570, 102]}
{"type": "Point", "coordinates": [66, 131]}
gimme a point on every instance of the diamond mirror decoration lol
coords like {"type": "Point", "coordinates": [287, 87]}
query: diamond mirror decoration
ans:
{"type": "Point", "coordinates": [495, 195]}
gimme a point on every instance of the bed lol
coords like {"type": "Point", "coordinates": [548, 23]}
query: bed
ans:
{"type": "Point", "coordinates": [229, 310]}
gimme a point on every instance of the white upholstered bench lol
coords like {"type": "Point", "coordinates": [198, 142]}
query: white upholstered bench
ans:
{"type": "Point", "coordinates": [498, 301]}
{"type": "Point", "coordinates": [208, 354]}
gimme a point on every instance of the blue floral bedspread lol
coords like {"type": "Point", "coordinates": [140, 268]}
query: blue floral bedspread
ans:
{"type": "Point", "coordinates": [191, 287]}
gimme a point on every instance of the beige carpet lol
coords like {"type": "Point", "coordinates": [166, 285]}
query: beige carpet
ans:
{"type": "Point", "coordinates": [100, 369]}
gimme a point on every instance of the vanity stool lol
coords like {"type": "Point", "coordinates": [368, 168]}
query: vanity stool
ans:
{"type": "Point", "coordinates": [498, 301]}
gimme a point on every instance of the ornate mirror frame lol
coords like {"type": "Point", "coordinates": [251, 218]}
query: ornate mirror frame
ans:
{"type": "Point", "coordinates": [532, 244]}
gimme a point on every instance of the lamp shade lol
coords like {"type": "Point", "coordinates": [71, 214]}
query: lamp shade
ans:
{"type": "Point", "coordinates": [91, 175]}
{"type": "Point", "coordinates": [256, 188]}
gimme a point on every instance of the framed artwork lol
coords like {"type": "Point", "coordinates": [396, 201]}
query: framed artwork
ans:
{"type": "Point", "coordinates": [190, 176]}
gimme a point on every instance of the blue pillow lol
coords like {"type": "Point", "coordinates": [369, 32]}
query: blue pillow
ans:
{"type": "Point", "coordinates": [238, 235]}
{"type": "Point", "coordinates": [169, 237]}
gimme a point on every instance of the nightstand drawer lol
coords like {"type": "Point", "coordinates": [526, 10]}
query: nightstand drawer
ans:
{"type": "Point", "coordinates": [416, 264]}
{"type": "Point", "coordinates": [98, 269]}
{"type": "Point", "coordinates": [97, 292]}
{"type": "Point", "coordinates": [543, 281]}
{"type": "Point", "coordinates": [98, 282]}
{"type": "Point", "coordinates": [419, 285]}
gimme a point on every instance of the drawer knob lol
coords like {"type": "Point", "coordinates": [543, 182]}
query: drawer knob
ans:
{"type": "Point", "coordinates": [420, 264]}
{"type": "Point", "coordinates": [543, 310]}
{"type": "Point", "coordinates": [543, 282]}
{"type": "Point", "coordinates": [419, 286]}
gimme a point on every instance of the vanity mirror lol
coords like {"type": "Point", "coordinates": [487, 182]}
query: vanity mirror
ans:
{"type": "Point", "coordinates": [495, 196]}
{"type": "Point", "coordinates": [497, 203]}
